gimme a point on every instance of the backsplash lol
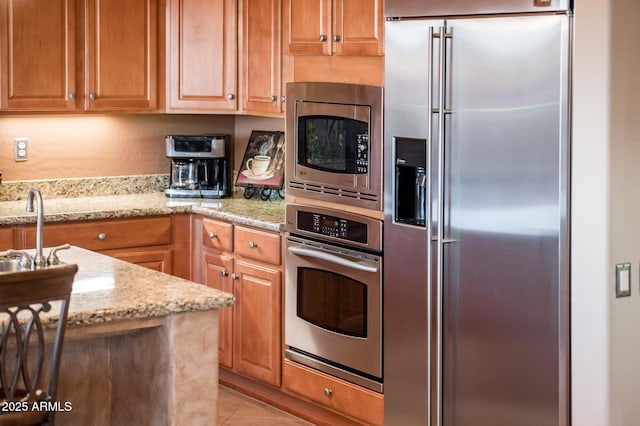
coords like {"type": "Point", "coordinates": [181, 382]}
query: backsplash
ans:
{"type": "Point", "coordinates": [84, 187]}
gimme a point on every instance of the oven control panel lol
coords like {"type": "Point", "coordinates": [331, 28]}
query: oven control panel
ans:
{"type": "Point", "coordinates": [332, 226]}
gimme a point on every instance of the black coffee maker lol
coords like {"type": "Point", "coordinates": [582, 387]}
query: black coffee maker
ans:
{"type": "Point", "coordinates": [199, 166]}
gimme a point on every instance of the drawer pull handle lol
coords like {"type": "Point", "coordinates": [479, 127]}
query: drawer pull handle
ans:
{"type": "Point", "coordinates": [234, 277]}
{"type": "Point", "coordinates": [252, 245]}
{"type": "Point", "coordinates": [328, 392]}
{"type": "Point", "coordinates": [102, 236]}
{"type": "Point", "coordinates": [212, 235]}
{"type": "Point", "coordinates": [224, 273]}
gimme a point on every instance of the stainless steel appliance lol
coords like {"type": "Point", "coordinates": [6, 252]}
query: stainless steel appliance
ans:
{"type": "Point", "coordinates": [476, 288]}
{"type": "Point", "coordinates": [333, 306]}
{"type": "Point", "coordinates": [335, 153]}
{"type": "Point", "coordinates": [199, 166]}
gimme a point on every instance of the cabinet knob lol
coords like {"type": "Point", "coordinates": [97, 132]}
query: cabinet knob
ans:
{"type": "Point", "coordinates": [92, 96]}
{"type": "Point", "coordinates": [273, 98]}
{"type": "Point", "coordinates": [328, 392]}
{"type": "Point", "coordinates": [102, 236]}
{"type": "Point", "coordinates": [336, 38]}
{"type": "Point", "coordinates": [283, 99]}
{"type": "Point", "coordinates": [234, 277]}
{"type": "Point", "coordinates": [322, 37]}
{"type": "Point", "coordinates": [224, 273]}
{"type": "Point", "coordinates": [212, 235]}
{"type": "Point", "coordinates": [230, 96]}
{"type": "Point", "coordinates": [252, 245]}
{"type": "Point", "coordinates": [72, 96]}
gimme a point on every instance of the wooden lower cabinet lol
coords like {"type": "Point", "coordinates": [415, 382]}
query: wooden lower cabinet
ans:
{"type": "Point", "coordinates": [250, 331]}
{"type": "Point", "coordinates": [216, 274]}
{"type": "Point", "coordinates": [145, 241]}
{"type": "Point", "coordinates": [346, 398]}
{"type": "Point", "coordinates": [257, 324]}
{"type": "Point", "coordinates": [7, 239]}
{"type": "Point", "coordinates": [156, 258]}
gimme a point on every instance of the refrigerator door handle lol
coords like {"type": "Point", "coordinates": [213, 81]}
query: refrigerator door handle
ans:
{"type": "Point", "coordinates": [429, 208]}
{"type": "Point", "coordinates": [440, 222]}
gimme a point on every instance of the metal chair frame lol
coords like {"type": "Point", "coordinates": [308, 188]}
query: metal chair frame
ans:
{"type": "Point", "coordinates": [24, 296]}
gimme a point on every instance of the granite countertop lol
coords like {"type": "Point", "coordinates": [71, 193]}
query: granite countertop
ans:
{"type": "Point", "coordinates": [268, 214]}
{"type": "Point", "coordinates": [107, 289]}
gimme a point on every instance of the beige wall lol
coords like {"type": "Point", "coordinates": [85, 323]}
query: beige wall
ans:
{"type": "Point", "coordinates": [590, 270]}
{"type": "Point", "coordinates": [624, 210]}
{"type": "Point", "coordinates": [62, 146]}
{"type": "Point", "coordinates": [605, 213]}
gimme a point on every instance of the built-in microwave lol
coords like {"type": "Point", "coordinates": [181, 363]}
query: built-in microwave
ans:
{"type": "Point", "coordinates": [334, 143]}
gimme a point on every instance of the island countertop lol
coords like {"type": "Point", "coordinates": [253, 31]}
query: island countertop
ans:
{"type": "Point", "coordinates": [254, 212]}
{"type": "Point", "coordinates": [106, 290]}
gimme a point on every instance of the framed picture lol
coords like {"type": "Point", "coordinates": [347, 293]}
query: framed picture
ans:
{"type": "Point", "coordinates": [263, 161]}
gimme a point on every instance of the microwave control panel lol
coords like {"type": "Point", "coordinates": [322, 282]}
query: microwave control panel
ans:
{"type": "Point", "coordinates": [332, 226]}
{"type": "Point", "coordinates": [362, 158]}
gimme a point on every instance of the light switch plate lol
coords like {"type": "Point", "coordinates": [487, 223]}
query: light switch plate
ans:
{"type": "Point", "coordinates": [623, 279]}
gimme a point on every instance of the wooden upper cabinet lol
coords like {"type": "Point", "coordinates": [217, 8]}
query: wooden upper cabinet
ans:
{"type": "Point", "coordinates": [358, 26]}
{"type": "Point", "coordinates": [37, 55]}
{"type": "Point", "coordinates": [202, 55]}
{"type": "Point", "coordinates": [338, 27]}
{"type": "Point", "coordinates": [307, 26]}
{"type": "Point", "coordinates": [121, 38]}
{"type": "Point", "coordinates": [261, 37]}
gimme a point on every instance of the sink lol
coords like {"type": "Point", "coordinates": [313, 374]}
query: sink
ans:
{"type": "Point", "coordinates": [10, 265]}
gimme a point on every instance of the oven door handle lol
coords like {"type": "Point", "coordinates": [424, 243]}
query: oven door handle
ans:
{"type": "Point", "coordinates": [301, 251]}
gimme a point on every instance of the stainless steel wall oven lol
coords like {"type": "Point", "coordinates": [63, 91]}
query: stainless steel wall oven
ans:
{"type": "Point", "coordinates": [335, 148]}
{"type": "Point", "coordinates": [333, 306]}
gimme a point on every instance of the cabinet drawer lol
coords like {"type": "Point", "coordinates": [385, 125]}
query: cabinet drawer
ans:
{"type": "Point", "coordinates": [107, 234]}
{"type": "Point", "coordinates": [217, 234]}
{"type": "Point", "coordinates": [260, 245]}
{"type": "Point", "coordinates": [344, 397]}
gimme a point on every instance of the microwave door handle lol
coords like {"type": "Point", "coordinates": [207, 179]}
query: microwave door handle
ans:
{"type": "Point", "coordinates": [301, 251]}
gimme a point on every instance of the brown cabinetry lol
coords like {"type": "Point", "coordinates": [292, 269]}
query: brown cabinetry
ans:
{"type": "Point", "coordinates": [121, 38]}
{"type": "Point", "coordinates": [38, 55]}
{"type": "Point", "coordinates": [145, 241]}
{"type": "Point", "coordinates": [202, 55]}
{"type": "Point", "coordinates": [7, 239]}
{"type": "Point", "coordinates": [241, 260]}
{"type": "Point", "coordinates": [360, 404]}
{"type": "Point", "coordinates": [261, 41]}
{"type": "Point", "coordinates": [334, 27]}
{"type": "Point", "coordinates": [224, 55]}
{"type": "Point", "coordinates": [69, 55]}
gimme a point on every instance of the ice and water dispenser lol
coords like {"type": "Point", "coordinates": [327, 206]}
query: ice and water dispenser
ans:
{"type": "Point", "coordinates": [411, 181]}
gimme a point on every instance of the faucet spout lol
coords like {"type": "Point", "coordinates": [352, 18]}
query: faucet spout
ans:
{"type": "Point", "coordinates": [34, 195]}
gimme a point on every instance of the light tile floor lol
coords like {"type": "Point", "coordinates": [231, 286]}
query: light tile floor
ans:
{"type": "Point", "coordinates": [236, 409]}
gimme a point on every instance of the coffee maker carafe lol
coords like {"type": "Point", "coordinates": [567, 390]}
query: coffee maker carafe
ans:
{"type": "Point", "coordinates": [199, 166]}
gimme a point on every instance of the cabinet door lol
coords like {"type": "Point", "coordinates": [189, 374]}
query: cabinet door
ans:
{"type": "Point", "coordinates": [158, 259]}
{"type": "Point", "coordinates": [307, 27]}
{"type": "Point", "coordinates": [257, 322]}
{"type": "Point", "coordinates": [37, 48]}
{"type": "Point", "coordinates": [217, 274]}
{"type": "Point", "coordinates": [121, 54]}
{"type": "Point", "coordinates": [261, 56]}
{"type": "Point", "coordinates": [7, 239]}
{"type": "Point", "coordinates": [202, 55]}
{"type": "Point", "coordinates": [358, 27]}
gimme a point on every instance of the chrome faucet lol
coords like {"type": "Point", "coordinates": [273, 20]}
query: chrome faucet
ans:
{"type": "Point", "coordinates": [39, 259]}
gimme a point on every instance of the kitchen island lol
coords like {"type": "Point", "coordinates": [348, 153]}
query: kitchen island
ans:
{"type": "Point", "coordinates": [141, 346]}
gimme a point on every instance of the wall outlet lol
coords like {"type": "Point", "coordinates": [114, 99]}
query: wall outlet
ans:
{"type": "Point", "coordinates": [21, 146]}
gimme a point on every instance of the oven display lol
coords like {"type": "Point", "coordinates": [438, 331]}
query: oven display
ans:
{"type": "Point", "coordinates": [332, 226]}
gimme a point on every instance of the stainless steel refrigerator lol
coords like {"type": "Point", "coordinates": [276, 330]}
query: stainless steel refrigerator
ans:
{"type": "Point", "coordinates": [476, 273]}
